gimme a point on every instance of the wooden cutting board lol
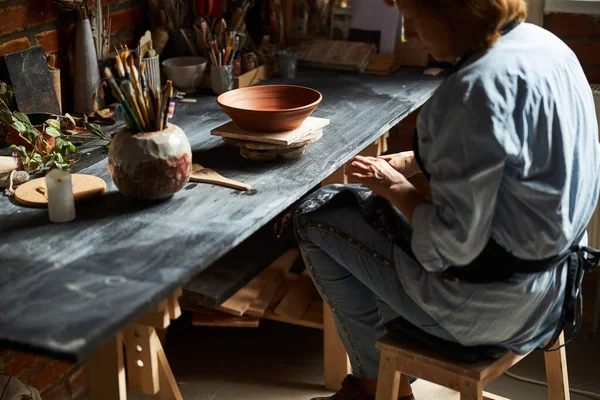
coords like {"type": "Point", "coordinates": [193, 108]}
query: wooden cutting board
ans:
{"type": "Point", "coordinates": [310, 125]}
{"type": "Point", "coordinates": [33, 193]}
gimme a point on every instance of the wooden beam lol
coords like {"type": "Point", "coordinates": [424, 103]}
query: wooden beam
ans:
{"type": "Point", "coordinates": [158, 318]}
{"type": "Point", "coordinates": [106, 372]}
{"type": "Point", "coordinates": [169, 390]}
{"type": "Point", "coordinates": [142, 359]}
{"type": "Point", "coordinates": [173, 304]}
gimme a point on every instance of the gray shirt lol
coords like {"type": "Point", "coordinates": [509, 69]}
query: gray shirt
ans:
{"type": "Point", "coordinates": [511, 143]}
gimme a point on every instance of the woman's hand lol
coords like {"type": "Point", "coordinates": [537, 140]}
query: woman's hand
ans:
{"type": "Point", "coordinates": [375, 173]}
{"type": "Point", "coordinates": [378, 175]}
{"type": "Point", "coordinates": [404, 163]}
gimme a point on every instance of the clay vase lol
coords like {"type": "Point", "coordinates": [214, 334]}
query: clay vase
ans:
{"type": "Point", "coordinates": [150, 165]}
{"type": "Point", "coordinates": [87, 75]}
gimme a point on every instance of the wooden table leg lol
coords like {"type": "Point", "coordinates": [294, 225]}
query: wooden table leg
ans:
{"type": "Point", "coordinates": [337, 365]}
{"type": "Point", "coordinates": [168, 385]}
{"type": "Point", "coordinates": [148, 368]}
{"type": "Point", "coordinates": [142, 359]}
{"type": "Point", "coordinates": [106, 372]}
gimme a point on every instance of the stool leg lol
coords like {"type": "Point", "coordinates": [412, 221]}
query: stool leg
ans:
{"type": "Point", "coordinates": [388, 380]}
{"type": "Point", "coordinates": [596, 322]}
{"type": "Point", "coordinates": [471, 390]}
{"type": "Point", "coordinates": [556, 372]}
{"type": "Point", "coordinates": [336, 363]}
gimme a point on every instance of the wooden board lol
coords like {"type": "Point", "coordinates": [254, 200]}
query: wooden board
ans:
{"type": "Point", "coordinates": [241, 301]}
{"type": "Point", "coordinates": [246, 144]}
{"type": "Point", "coordinates": [211, 317]}
{"type": "Point", "coordinates": [382, 64]}
{"type": "Point", "coordinates": [254, 76]}
{"type": "Point", "coordinates": [31, 80]}
{"type": "Point", "coordinates": [314, 312]}
{"type": "Point", "coordinates": [310, 125]}
{"type": "Point", "coordinates": [296, 301]}
{"type": "Point", "coordinates": [33, 193]}
{"type": "Point", "coordinates": [270, 155]}
{"type": "Point", "coordinates": [282, 290]}
{"type": "Point", "coordinates": [273, 278]}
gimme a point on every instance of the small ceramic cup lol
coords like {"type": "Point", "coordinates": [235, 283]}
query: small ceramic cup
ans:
{"type": "Point", "coordinates": [287, 64]}
{"type": "Point", "coordinates": [221, 78]}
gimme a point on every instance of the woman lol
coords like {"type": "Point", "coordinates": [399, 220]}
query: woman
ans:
{"type": "Point", "coordinates": [509, 144]}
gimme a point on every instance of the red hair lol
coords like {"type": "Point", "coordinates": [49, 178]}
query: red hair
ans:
{"type": "Point", "coordinates": [476, 22]}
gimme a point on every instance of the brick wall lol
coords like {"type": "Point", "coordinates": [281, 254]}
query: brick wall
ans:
{"type": "Point", "coordinates": [25, 23]}
{"type": "Point", "coordinates": [56, 380]}
{"type": "Point", "coordinates": [582, 34]}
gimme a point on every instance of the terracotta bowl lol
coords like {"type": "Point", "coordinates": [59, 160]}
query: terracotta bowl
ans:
{"type": "Point", "coordinates": [185, 72]}
{"type": "Point", "coordinates": [270, 108]}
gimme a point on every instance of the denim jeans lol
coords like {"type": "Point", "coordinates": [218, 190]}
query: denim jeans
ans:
{"type": "Point", "coordinates": [352, 266]}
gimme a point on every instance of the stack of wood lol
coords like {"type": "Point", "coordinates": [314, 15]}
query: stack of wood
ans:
{"type": "Point", "coordinates": [276, 294]}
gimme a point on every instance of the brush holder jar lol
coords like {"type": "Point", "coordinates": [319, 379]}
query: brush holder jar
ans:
{"type": "Point", "coordinates": [150, 165]}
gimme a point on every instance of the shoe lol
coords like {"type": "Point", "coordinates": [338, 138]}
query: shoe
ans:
{"type": "Point", "coordinates": [350, 391]}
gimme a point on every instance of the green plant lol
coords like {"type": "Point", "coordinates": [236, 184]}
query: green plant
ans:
{"type": "Point", "coordinates": [41, 155]}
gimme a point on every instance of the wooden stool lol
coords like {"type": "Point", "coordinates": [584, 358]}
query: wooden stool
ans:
{"type": "Point", "coordinates": [468, 379]}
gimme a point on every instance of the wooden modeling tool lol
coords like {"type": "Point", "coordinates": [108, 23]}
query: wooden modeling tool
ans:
{"type": "Point", "coordinates": [206, 175]}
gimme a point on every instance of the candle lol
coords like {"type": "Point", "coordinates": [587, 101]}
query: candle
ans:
{"type": "Point", "coordinates": [61, 205]}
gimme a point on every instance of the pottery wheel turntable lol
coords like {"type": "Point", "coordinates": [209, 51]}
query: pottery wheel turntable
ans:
{"type": "Point", "coordinates": [270, 146]}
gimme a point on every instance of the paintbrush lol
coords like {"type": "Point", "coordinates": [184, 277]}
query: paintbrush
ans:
{"type": "Point", "coordinates": [169, 89]}
{"type": "Point", "coordinates": [119, 66]}
{"type": "Point", "coordinates": [148, 97]}
{"type": "Point", "coordinates": [161, 109]}
{"type": "Point", "coordinates": [129, 93]}
{"type": "Point", "coordinates": [124, 56]}
{"type": "Point", "coordinates": [121, 98]}
{"type": "Point", "coordinates": [164, 104]}
{"type": "Point", "coordinates": [135, 78]}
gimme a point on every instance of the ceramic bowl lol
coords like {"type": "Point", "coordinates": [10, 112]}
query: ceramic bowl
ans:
{"type": "Point", "coordinates": [270, 108]}
{"type": "Point", "coordinates": [185, 72]}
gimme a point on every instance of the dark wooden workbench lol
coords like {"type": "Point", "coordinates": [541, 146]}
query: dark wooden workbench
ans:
{"type": "Point", "coordinates": [64, 289]}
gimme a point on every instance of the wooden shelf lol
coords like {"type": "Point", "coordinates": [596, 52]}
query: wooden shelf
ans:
{"type": "Point", "coordinates": [276, 294]}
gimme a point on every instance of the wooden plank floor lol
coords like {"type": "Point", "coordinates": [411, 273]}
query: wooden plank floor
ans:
{"type": "Point", "coordinates": [424, 390]}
